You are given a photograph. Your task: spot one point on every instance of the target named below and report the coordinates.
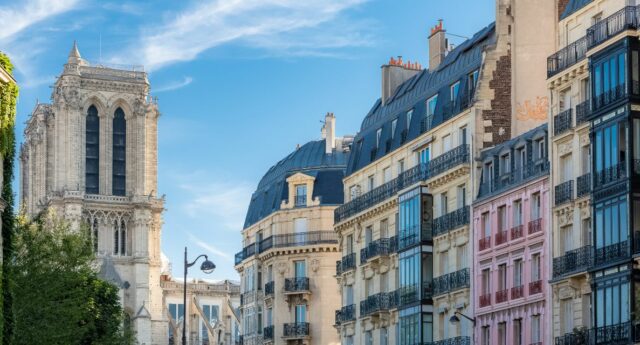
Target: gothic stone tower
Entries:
(91, 157)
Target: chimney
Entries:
(437, 46)
(329, 130)
(395, 73)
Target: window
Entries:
(565, 99)
(535, 267)
(368, 338)
(210, 313)
(348, 340)
(371, 182)
(611, 222)
(486, 335)
(386, 174)
(300, 225)
(378, 135)
(413, 207)
(521, 156)
(586, 159)
(400, 166)
(505, 164)
(609, 78)
(517, 212)
(487, 174)
(535, 206)
(502, 333)
(446, 143)
(384, 228)
(349, 245)
(354, 191)
(454, 91)
(301, 313)
(586, 231)
(502, 218)
(119, 152)
(540, 149)
(92, 151)
(119, 238)
(384, 336)
(301, 195)
(423, 155)
(567, 238)
(502, 277)
(486, 281)
(486, 224)
(409, 116)
(368, 235)
(517, 332)
(176, 311)
(566, 167)
(535, 329)
(444, 204)
(300, 268)
(431, 105)
(517, 272)
(566, 309)
(462, 196)
(394, 124)
(472, 82)
(609, 148)
(612, 302)
(462, 135)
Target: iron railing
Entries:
(379, 302)
(267, 333)
(287, 240)
(449, 160)
(564, 192)
(346, 314)
(566, 57)
(535, 287)
(298, 284)
(607, 97)
(484, 243)
(347, 263)
(502, 295)
(457, 106)
(502, 237)
(415, 234)
(624, 19)
(408, 294)
(613, 334)
(583, 111)
(517, 291)
(610, 174)
(513, 178)
(612, 253)
(517, 232)
(485, 300)
(461, 340)
(535, 226)
(379, 247)
(583, 185)
(269, 288)
(426, 123)
(451, 282)
(580, 336)
(563, 122)
(451, 221)
(573, 261)
(296, 330)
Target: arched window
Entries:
(123, 238)
(119, 152)
(116, 238)
(92, 151)
(119, 238)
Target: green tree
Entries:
(58, 297)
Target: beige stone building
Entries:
(404, 229)
(287, 265)
(213, 310)
(91, 157)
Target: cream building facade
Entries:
(289, 248)
(91, 157)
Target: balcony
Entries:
(535, 226)
(562, 122)
(485, 300)
(296, 285)
(617, 93)
(378, 303)
(624, 19)
(502, 296)
(517, 232)
(269, 289)
(376, 249)
(454, 341)
(564, 192)
(502, 237)
(408, 294)
(451, 221)
(287, 240)
(346, 314)
(347, 263)
(611, 174)
(573, 261)
(517, 291)
(449, 160)
(513, 178)
(612, 253)
(267, 333)
(484, 243)
(299, 330)
(414, 235)
(535, 287)
(614, 334)
(566, 57)
(451, 282)
(301, 200)
(583, 111)
(584, 185)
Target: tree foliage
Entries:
(58, 297)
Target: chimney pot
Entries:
(437, 46)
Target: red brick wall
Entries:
(562, 4)
(500, 112)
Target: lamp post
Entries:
(455, 319)
(206, 267)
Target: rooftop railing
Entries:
(288, 240)
(567, 57)
(624, 19)
(451, 282)
(513, 178)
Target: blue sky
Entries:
(239, 82)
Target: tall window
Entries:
(517, 332)
(431, 105)
(535, 329)
(517, 273)
(119, 238)
(119, 152)
(472, 82)
(92, 150)
(423, 155)
(486, 335)
(454, 92)
(502, 277)
(502, 218)
(409, 116)
(210, 317)
(394, 124)
(535, 267)
(301, 195)
(535, 206)
(517, 212)
(502, 333)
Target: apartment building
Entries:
(287, 264)
(405, 237)
(510, 223)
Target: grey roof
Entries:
(310, 159)
(413, 94)
(573, 6)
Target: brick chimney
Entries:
(395, 73)
(329, 132)
(437, 46)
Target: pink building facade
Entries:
(510, 222)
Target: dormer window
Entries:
(301, 195)
(505, 164)
(409, 115)
(378, 135)
(394, 124)
(539, 148)
(431, 105)
(454, 92)
(472, 82)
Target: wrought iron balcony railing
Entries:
(584, 185)
(296, 330)
(613, 334)
(484, 243)
(420, 172)
(485, 300)
(414, 235)
(612, 253)
(269, 288)
(517, 232)
(583, 111)
(298, 284)
(451, 221)
(564, 192)
(513, 178)
(624, 19)
(453, 108)
(566, 57)
(573, 261)
(607, 97)
(535, 226)
(611, 174)
(580, 336)
(267, 333)
(502, 295)
(347, 263)
(287, 240)
(379, 247)
(346, 314)
(502, 237)
(379, 302)
(462, 340)
(535, 287)
(408, 294)
(563, 122)
(451, 282)
(517, 291)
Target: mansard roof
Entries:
(413, 94)
(573, 6)
(310, 159)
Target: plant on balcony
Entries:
(580, 336)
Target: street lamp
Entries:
(206, 267)
(454, 319)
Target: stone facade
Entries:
(126, 228)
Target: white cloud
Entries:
(174, 85)
(26, 13)
(209, 247)
(213, 23)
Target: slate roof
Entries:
(310, 159)
(413, 94)
(573, 6)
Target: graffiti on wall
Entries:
(532, 110)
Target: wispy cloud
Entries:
(213, 23)
(209, 247)
(22, 14)
(174, 85)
